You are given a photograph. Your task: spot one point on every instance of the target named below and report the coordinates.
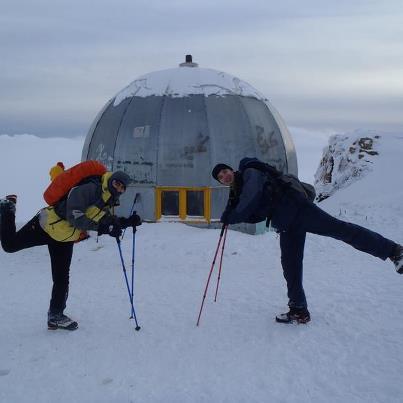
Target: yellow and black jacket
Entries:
(82, 210)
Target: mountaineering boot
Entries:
(8, 204)
(60, 321)
(397, 258)
(12, 198)
(298, 315)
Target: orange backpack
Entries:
(66, 180)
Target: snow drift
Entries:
(350, 352)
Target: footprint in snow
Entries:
(107, 381)
(4, 372)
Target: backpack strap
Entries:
(61, 206)
(278, 183)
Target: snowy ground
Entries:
(352, 351)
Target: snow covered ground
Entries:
(352, 351)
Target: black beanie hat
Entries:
(216, 170)
(121, 177)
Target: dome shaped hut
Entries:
(168, 128)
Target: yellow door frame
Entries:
(183, 201)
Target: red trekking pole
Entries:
(211, 270)
(219, 271)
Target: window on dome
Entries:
(170, 203)
(195, 203)
(183, 204)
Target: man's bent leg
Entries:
(31, 234)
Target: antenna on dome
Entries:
(188, 62)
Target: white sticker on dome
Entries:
(141, 132)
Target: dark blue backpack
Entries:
(278, 181)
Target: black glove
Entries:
(133, 221)
(110, 225)
(115, 230)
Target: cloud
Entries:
(61, 61)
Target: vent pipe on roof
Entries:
(188, 62)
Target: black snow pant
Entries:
(32, 234)
(316, 221)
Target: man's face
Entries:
(226, 176)
(119, 186)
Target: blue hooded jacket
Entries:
(255, 199)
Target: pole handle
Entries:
(222, 229)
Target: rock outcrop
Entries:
(347, 159)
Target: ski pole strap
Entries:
(132, 211)
(134, 202)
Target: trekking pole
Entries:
(133, 249)
(131, 211)
(209, 276)
(127, 284)
(222, 254)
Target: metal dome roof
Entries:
(185, 81)
(169, 127)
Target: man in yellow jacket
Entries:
(88, 206)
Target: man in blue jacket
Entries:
(256, 195)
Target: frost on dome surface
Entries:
(185, 81)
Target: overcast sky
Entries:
(325, 65)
